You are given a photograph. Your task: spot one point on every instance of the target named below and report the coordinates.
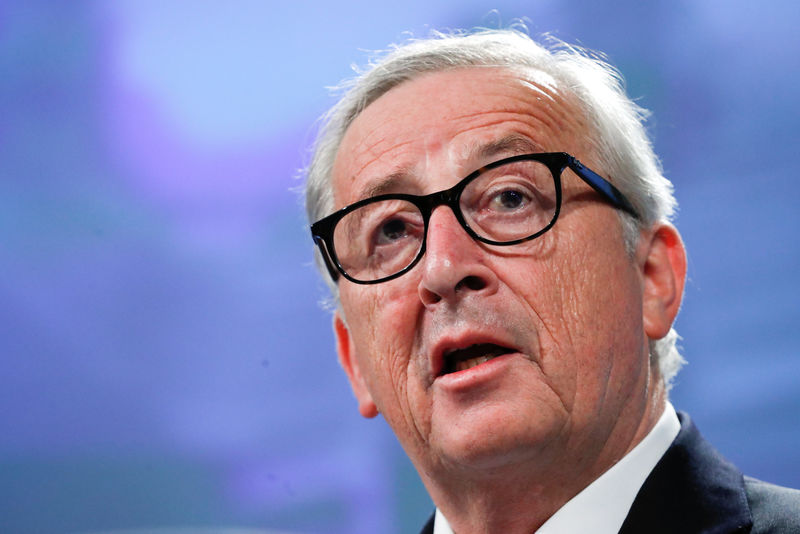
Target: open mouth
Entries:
(462, 359)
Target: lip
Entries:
(477, 377)
(455, 342)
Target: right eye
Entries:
(379, 238)
(390, 231)
(395, 229)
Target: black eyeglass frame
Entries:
(556, 162)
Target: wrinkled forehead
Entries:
(449, 118)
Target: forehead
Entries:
(449, 121)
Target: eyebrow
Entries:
(388, 184)
(510, 145)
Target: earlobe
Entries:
(664, 270)
(348, 361)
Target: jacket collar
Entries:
(691, 489)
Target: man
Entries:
(495, 227)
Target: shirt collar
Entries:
(601, 507)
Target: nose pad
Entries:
(454, 263)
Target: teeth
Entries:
(472, 362)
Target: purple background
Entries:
(164, 360)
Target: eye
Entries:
(392, 230)
(395, 227)
(508, 200)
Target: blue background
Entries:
(163, 358)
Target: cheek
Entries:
(581, 297)
(383, 336)
(598, 291)
(596, 277)
(556, 281)
(600, 314)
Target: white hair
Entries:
(618, 135)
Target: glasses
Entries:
(507, 202)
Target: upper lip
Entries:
(448, 344)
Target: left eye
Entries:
(508, 200)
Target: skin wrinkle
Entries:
(399, 387)
(561, 116)
(604, 393)
(563, 414)
(590, 279)
(359, 195)
(566, 315)
(551, 238)
(571, 311)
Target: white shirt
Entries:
(602, 506)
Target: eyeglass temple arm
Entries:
(326, 256)
(601, 185)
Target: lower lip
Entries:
(478, 375)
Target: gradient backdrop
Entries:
(163, 359)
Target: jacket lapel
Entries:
(428, 528)
(692, 489)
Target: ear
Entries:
(349, 362)
(664, 269)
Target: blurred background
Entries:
(164, 361)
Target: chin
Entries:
(495, 437)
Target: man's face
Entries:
(550, 331)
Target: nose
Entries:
(454, 264)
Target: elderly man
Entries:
(495, 227)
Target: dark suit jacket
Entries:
(694, 490)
